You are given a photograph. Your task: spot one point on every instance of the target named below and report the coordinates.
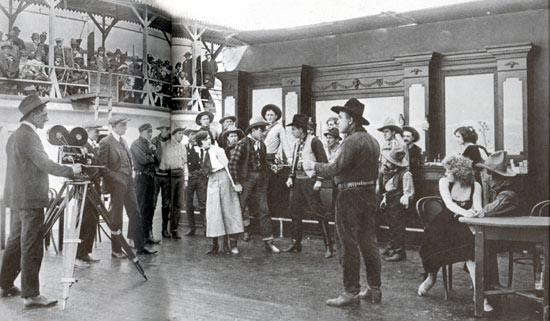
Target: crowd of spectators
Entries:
(74, 69)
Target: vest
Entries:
(307, 154)
(194, 162)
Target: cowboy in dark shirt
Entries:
(355, 170)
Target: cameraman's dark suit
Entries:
(89, 218)
(26, 194)
(117, 177)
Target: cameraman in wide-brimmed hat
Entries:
(26, 194)
(355, 171)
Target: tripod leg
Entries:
(116, 236)
(74, 213)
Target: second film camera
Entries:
(71, 145)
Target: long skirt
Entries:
(223, 209)
(446, 241)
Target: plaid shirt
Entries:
(241, 153)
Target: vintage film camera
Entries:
(71, 145)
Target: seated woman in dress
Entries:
(223, 209)
(446, 240)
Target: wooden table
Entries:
(521, 228)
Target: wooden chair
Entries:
(428, 208)
(540, 209)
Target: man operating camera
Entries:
(26, 194)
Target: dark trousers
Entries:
(302, 199)
(254, 196)
(88, 229)
(356, 229)
(396, 214)
(24, 251)
(145, 189)
(196, 184)
(172, 200)
(125, 197)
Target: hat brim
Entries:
(189, 131)
(392, 127)
(276, 109)
(255, 125)
(297, 125)
(199, 116)
(233, 118)
(329, 134)
(44, 102)
(403, 163)
(360, 119)
(179, 130)
(508, 173)
(414, 132)
(238, 131)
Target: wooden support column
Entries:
(103, 27)
(10, 14)
(417, 85)
(297, 91)
(235, 95)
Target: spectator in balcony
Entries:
(78, 75)
(188, 72)
(101, 60)
(15, 31)
(60, 73)
(136, 70)
(209, 70)
(44, 47)
(116, 60)
(58, 50)
(9, 68)
(33, 50)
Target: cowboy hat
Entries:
(396, 156)
(189, 131)
(29, 104)
(334, 132)
(498, 163)
(392, 125)
(232, 129)
(275, 109)
(353, 107)
(256, 121)
(299, 120)
(199, 116)
(227, 116)
(414, 132)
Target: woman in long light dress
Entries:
(223, 209)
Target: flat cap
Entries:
(118, 119)
(145, 127)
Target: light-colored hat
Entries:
(396, 156)
(256, 121)
(391, 124)
(232, 129)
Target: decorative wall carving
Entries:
(357, 83)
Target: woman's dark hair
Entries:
(201, 135)
(468, 134)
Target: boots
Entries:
(270, 247)
(225, 247)
(150, 239)
(175, 235)
(246, 234)
(294, 247)
(329, 251)
(165, 234)
(215, 246)
(233, 245)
